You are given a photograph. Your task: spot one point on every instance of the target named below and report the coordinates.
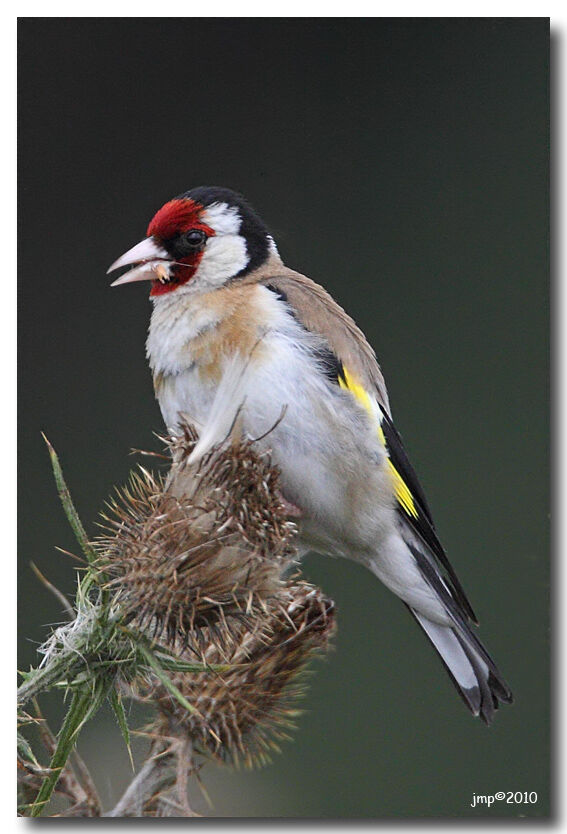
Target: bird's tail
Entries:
(469, 665)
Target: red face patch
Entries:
(175, 218)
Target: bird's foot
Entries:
(290, 509)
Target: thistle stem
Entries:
(39, 680)
(66, 741)
(157, 773)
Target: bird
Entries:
(315, 396)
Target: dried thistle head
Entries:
(243, 713)
(197, 561)
(245, 486)
(206, 544)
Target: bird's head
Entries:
(198, 241)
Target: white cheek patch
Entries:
(224, 257)
(224, 219)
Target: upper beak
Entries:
(153, 260)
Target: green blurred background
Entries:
(404, 164)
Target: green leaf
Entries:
(99, 691)
(175, 664)
(118, 708)
(154, 665)
(25, 751)
(68, 506)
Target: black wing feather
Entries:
(423, 523)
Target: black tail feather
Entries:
(470, 667)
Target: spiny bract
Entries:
(208, 542)
(197, 560)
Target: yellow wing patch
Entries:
(403, 494)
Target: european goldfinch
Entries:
(314, 395)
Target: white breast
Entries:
(176, 321)
(320, 438)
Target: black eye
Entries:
(195, 237)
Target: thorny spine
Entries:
(185, 604)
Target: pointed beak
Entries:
(152, 261)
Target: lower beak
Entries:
(152, 261)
